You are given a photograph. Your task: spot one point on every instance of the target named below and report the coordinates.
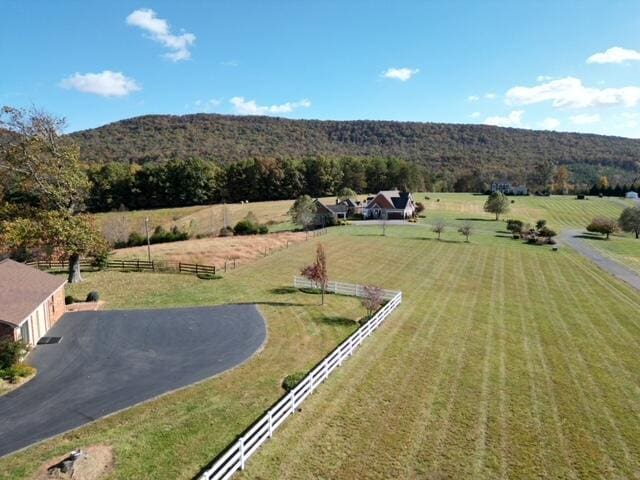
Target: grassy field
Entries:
(505, 361)
(559, 211)
(624, 249)
(176, 435)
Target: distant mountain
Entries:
(446, 149)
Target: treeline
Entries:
(448, 151)
(178, 183)
(610, 191)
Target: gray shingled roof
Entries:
(22, 289)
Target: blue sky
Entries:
(562, 65)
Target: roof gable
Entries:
(22, 289)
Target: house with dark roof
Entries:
(390, 204)
(31, 301)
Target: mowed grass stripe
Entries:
(589, 394)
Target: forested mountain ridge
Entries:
(447, 150)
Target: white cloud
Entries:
(490, 96)
(473, 98)
(543, 78)
(402, 74)
(159, 30)
(475, 115)
(549, 123)
(250, 107)
(105, 84)
(206, 105)
(614, 55)
(514, 119)
(585, 119)
(570, 93)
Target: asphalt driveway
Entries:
(110, 360)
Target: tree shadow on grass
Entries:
(589, 236)
(273, 304)
(338, 321)
(428, 239)
(477, 219)
(283, 290)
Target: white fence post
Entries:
(270, 424)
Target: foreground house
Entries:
(31, 301)
(508, 188)
(390, 204)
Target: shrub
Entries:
(11, 374)
(160, 235)
(263, 229)
(101, 260)
(546, 232)
(11, 352)
(290, 381)
(245, 227)
(68, 300)
(515, 226)
(93, 296)
(540, 224)
(135, 240)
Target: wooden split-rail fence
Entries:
(130, 265)
(236, 455)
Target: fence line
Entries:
(236, 455)
(350, 289)
(128, 265)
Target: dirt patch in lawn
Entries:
(217, 250)
(97, 463)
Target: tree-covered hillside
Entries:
(447, 150)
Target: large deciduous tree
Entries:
(497, 203)
(57, 233)
(629, 220)
(46, 164)
(303, 211)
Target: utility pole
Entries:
(146, 229)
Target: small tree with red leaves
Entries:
(372, 299)
(317, 271)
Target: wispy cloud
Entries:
(159, 31)
(514, 119)
(473, 98)
(543, 78)
(490, 96)
(569, 92)
(615, 55)
(585, 119)
(549, 123)
(205, 105)
(105, 84)
(402, 74)
(475, 115)
(242, 106)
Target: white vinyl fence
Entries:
(341, 288)
(235, 457)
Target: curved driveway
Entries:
(572, 238)
(110, 360)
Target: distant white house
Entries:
(633, 195)
(508, 188)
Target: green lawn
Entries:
(176, 435)
(504, 361)
(624, 249)
(559, 211)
